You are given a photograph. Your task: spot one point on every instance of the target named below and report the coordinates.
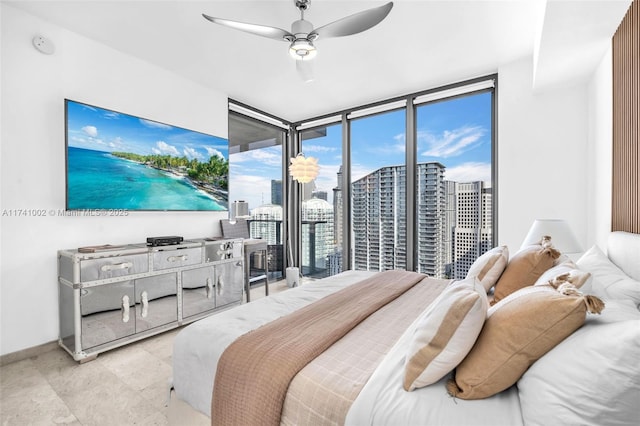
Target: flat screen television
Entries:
(117, 161)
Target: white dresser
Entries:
(111, 296)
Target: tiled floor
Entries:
(125, 386)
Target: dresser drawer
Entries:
(223, 250)
(113, 267)
(167, 259)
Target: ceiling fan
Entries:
(302, 34)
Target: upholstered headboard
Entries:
(623, 248)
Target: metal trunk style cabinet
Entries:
(110, 296)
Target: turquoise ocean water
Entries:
(98, 180)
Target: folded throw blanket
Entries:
(254, 372)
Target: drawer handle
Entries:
(177, 258)
(209, 288)
(144, 298)
(123, 265)
(220, 286)
(125, 308)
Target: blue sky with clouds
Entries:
(100, 129)
(454, 132)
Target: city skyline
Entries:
(455, 225)
(455, 133)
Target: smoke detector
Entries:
(43, 45)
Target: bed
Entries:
(586, 374)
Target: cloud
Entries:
(116, 143)
(317, 148)
(154, 124)
(395, 147)
(91, 131)
(327, 179)
(451, 142)
(213, 152)
(191, 153)
(358, 171)
(469, 172)
(163, 148)
(254, 189)
(265, 157)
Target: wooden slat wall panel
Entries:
(625, 212)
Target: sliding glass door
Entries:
(321, 204)
(255, 189)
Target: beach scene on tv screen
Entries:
(120, 161)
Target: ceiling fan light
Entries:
(302, 50)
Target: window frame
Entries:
(410, 103)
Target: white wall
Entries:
(33, 161)
(548, 143)
(542, 153)
(600, 157)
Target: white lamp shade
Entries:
(304, 169)
(562, 238)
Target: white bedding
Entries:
(383, 401)
(607, 345)
(198, 347)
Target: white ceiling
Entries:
(420, 45)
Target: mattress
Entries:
(198, 346)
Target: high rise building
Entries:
(448, 254)
(307, 190)
(266, 223)
(430, 211)
(337, 211)
(276, 192)
(379, 219)
(320, 194)
(473, 229)
(317, 235)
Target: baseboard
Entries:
(27, 353)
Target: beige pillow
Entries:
(524, 268)
(445, 332)
(518, 331)
(489, 266)
(565, 272)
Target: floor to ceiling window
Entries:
(378, 191)
(255, 183)
(321, 217)
(406, 183)
(454, 183)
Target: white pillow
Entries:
(576, 277)
(590, 378)
(609, 282)
(445, 333)
(489, 266)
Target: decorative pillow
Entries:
(609, 282)
(524, 268)
(565, 272)
(489, 266)
(592, 377)
(518, 331)
(445, 332)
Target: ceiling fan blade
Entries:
(353, 24)
(261, 30)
